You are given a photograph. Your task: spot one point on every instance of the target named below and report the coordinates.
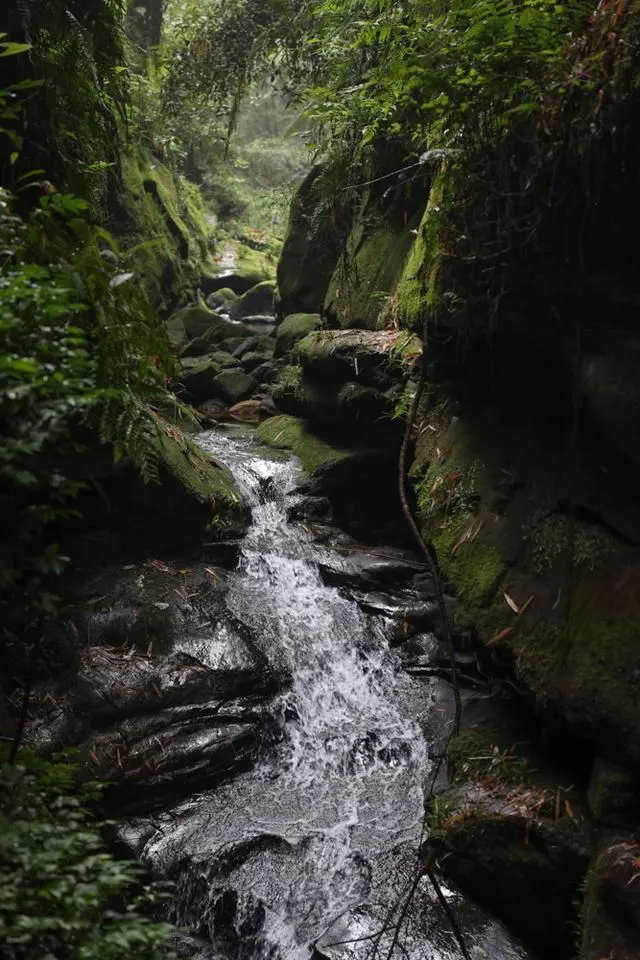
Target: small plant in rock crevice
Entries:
(552, 534)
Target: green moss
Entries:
(206, 481)
(221, 298)
(474, 566)
(368, 272)
(293, 329)
(289, 433)
(161, 219)
(416, 293)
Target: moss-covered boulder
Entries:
(199, 321)
(221, 298)
(310, 250)
(241, 268)
(342, 473)
(266, 373)
(515, 839)
(194, 500)
(196, 381)
(251, 360)
(233, 386)
(256, 301)
(374, 359)
(293, 329)
(160, 216)
(548, 585)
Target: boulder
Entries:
(223, 359)
(258, 300)
(309, 253)
(196, 381)
(293, 329)
(216, 411)
(366, 571)
(199, 322)
(221, 298)
(370, 358)
(513, 835)
(343, 474)
(249, 344)
(252, 360)
(239, 281)
(266, 373)
(233, 386)
(248, 411)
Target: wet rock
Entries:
(367, 571)
(215, 411)
(196, 381)
(262, 323)
(239, 281)
(257, 300)
(369, 358)
(224, 553)
(245, 347)
(248, 411)
(152, 760)
(221, 298)
(199, 321)
(293, 329)
(234, 386)
(404, 609)
(513, 837)
(252, 360)
(312, 509)
(370, 512)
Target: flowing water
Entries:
(307, 854)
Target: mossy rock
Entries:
(196, 380)
(265, 374)
(221, 298)
(256, 301)
(567, 619)
(371, 358)
(366, 276)
(288, 433)
(251, 267)
(293, 329)
(199, 321)
(233, 386)
(309, 252)
(207, 482)
(154, 203)
(252, 360)
(507, 840)
(417, 289)
(223, 359)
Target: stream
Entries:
(305, 854)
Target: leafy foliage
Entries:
(61, 892)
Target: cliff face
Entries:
(527, 458)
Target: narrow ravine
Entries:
(304, 854)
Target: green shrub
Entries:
(62, 895)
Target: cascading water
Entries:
(306, 854)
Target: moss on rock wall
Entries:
(161, 219)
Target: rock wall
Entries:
(160, 218)
(527, 454)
